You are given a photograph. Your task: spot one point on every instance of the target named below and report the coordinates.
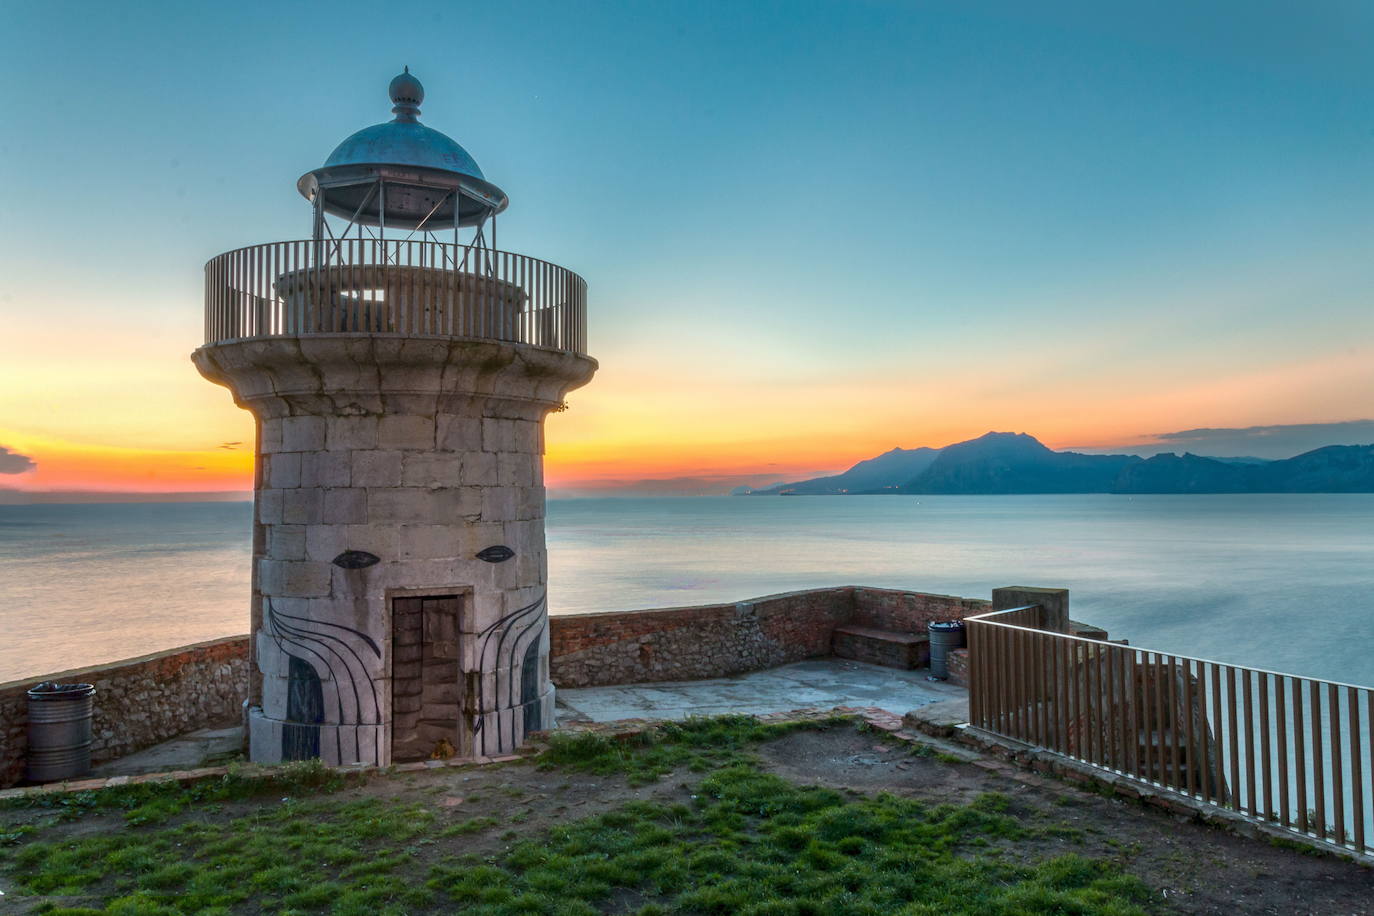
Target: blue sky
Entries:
(1089, 221)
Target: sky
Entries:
(811, 231)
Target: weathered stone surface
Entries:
(418, 451)
(344, 506)
(889, 648)
(1054, 604)
(302, 434)
(589, 650)
(376, 468)
(302, 506)
(283, 470)
(138, 702)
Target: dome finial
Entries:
(406, 96)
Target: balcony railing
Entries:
(409, 288)
(1293, 751)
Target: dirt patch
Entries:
(1196, 868)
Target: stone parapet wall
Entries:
(143, 701)
(138, 702)
(910, 612)
(592, 650)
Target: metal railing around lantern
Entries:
(1292, 751)
(408, 288)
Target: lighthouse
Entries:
(399, 367)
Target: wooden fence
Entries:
(1290, 750)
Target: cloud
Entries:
(1283, 441)
(15, 463)
(230, 446)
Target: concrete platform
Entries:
(181, 753)
(822, 683)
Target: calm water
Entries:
(1284, 582)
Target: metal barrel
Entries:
(945, 635)
(60, 731)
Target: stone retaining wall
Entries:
(143, 701)
(138, 702)
(593, 650)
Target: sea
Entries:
(1283, 582)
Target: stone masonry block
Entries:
(269, 507)
(325, 542)
(344, 506)
(513, 469)
(431, 469)
(270, 657)
(326, 469)
(530, 502)
(499, 503)
(286, 542)
(428, 541)
(302, 434)
(458, 433)
(269, 435)
(284, 470)
(498, 435)
(294, 579)
(421, 506)
(302, 506)
(525, 437)
(405, 431)
(376, 468)
(351, 433)
(480, 469)
(398, 506)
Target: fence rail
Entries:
(413, 288)
(1292, 751)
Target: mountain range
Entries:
(1010, 463)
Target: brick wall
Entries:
(910, 612)
(590, 650)
(138, 702)
(956, 663)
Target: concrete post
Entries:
(1053, 602)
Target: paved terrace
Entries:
(819, 683)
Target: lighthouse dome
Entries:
(404, 143)
(430, 180)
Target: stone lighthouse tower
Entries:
(399, 368)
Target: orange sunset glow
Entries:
(1154, 257)
(636, 426)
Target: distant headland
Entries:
(1017, 463)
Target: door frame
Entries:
(464, 594)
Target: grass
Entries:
(741, 841)
(698, 745)
(753, 844)
(155, 802)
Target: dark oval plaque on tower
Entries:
(497, 553)
(356, 559)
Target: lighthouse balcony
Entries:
(393, 287)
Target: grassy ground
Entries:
(686, 819)
(744, 841)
